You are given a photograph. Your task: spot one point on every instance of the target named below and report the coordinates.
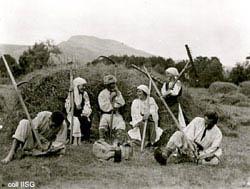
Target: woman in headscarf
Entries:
(82, 111)
(171, 91)
(144, 108)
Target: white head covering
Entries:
(172, 71)
(77, 96)
(79, 81)
(144, 88)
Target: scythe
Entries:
(22, 102)
(112, 113)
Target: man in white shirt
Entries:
(203, 134)
(82, 111)
(50, 128)
(110, 100)
(144, 108)
(171, 92)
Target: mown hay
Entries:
(245, 88)
(232, 98)
(222, 87)
(48, 92)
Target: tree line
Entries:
(35, 57)
(208, 69)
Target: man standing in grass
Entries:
(51, 129)
(203, 134)
(82, 111)
(171, 92)
(110, 100)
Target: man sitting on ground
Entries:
(110, 100)
(203, 134)
(50, 128)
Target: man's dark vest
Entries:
(171, 100)
(78, 112)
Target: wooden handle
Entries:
(22, 101)
(71, 105)
(171, 113)
(146, 122)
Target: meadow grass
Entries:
(78, 168)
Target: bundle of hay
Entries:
(48, 92)
(233, 98)
(245, 88)
(222, 87)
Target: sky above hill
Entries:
(162, 27)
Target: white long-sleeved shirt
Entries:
(105, 103)
(41, 123)
(87, 110)
(212, 140)
(139, 108)
(173, 92)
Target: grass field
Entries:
(78, 168)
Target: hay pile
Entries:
(48, 92)
(245, 88)
(228, 94)
(232, 98)
(222, 87)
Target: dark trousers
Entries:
(150, 132)
(85, 127)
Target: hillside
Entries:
(13, 50)
(86, 48)
(81, 48)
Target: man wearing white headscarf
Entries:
(82, 111)
(171, 92)
(144, 108)
(110, 100)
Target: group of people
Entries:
(200, 139)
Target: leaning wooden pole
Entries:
(170, 112)
(146, 121)
(22, 101)
(72, 106)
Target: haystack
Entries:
(232, 98)
(48, 92)
(245, 88)
(222, 87)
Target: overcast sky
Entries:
(162, 27)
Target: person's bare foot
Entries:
(75, 143)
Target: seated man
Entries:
(204, 136)
(110, 100)
(50, 127)
(144, 108)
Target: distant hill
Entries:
(13, 50)
(81, 48)
(86, 48)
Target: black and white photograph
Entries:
(115, 94)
